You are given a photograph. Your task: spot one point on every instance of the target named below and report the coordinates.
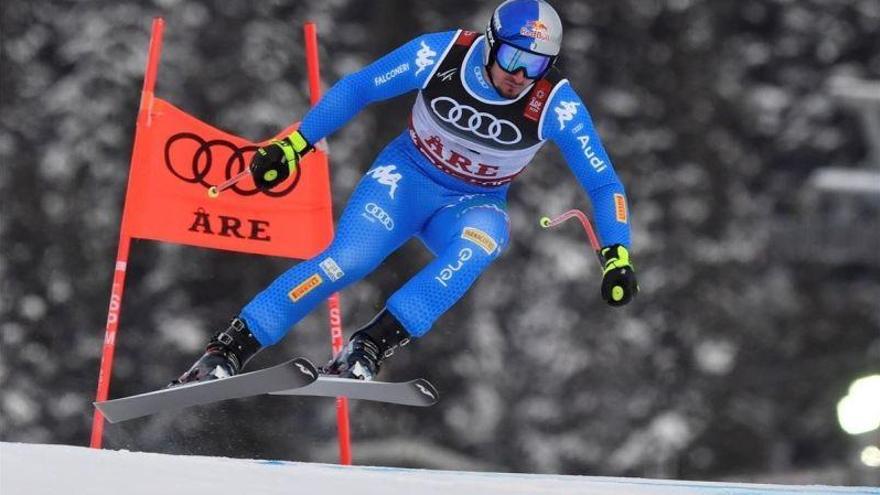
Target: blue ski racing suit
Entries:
(444, 179)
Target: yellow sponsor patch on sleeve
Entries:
(480, 238)
(304, 288)
(620, 208)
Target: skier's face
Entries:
(509, 85)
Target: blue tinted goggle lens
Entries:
(512, 59)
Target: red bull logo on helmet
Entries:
(537, 30)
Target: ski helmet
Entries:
(523, 35)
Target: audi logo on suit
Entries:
(482, 124)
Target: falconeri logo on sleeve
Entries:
(620, 208)
(480, 238)
(304, 288)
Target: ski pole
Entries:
(546, 222)
(214, 191)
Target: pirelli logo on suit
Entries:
(301, 290)
(480, 238)
(620, 208)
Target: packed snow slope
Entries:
(34, 469)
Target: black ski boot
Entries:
(368, 347)
(227, 353)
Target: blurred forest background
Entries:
(760, 289)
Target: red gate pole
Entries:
(336, 339)
(116, 292)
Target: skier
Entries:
(485, 105)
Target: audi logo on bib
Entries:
(481, 124)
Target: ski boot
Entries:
(227, 353)
(368, 347)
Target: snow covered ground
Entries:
(33, 469)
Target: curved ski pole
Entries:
(214, 191)
(546, 223)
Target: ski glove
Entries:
(619, 283)
(274, 163)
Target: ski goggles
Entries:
(511, 59)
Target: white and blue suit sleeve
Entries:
(403, 70)
(567, 123)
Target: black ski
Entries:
(291, 374)
(418, 392)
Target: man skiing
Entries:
(485, 105)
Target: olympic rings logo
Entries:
(482, 124)
(202, 162)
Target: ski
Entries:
(418, 392)
(290, 374)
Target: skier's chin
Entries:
(509, 90)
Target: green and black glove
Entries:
(619, 284)
(275, 162)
